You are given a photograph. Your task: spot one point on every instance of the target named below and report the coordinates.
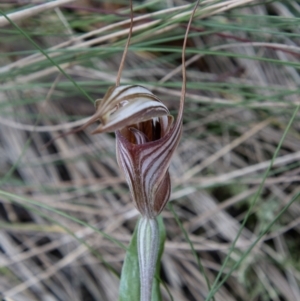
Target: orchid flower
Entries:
(146, 138)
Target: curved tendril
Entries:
(126, 47)
(183, 89)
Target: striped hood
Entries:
(146, 139)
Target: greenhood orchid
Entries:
(146, 138)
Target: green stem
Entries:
(148, 245)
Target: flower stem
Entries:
(148, 245)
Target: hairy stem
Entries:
(148, 245)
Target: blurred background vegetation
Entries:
(66, 215)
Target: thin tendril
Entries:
(183, 89)
(179, 119)
(126, 47)
(95, 116)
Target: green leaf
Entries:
(130, 277)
